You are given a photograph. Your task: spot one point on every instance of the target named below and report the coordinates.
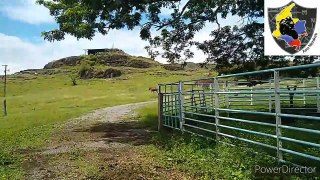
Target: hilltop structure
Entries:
(101, 51)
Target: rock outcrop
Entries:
(68, 61)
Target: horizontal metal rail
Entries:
(170, 127)
(248, 131)
(300, 116)
(203, 122)
(260, 72)
(247, 121)
(300, 129)
(229, 108)
(198, 114)
(247, 112)
(170, 116)
(301, 142)
(249, 141)
(195, 127)
(300, 154)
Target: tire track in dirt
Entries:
(107, 120)
(108, 133)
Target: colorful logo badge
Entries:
(292, 27)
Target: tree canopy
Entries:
(233, 48)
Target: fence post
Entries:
(211, 97)
(160, 108)
(251, 96)
(216, 97)
(304, 94)
(165, 105)
(173, 120)
(278, 111)
(270, 97)
(227, 103)
(181, 102)
(318, 96)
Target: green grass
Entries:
(201, 158)
(148, 116)
(262, 107)
(198, 157)
(39, 104)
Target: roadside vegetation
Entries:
(160, 155)
(202, 158)
(38, 103)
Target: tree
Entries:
(184, 64)
(238, 47)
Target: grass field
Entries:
(37, 104)
(202, 158)
(242, 129)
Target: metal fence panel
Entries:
(272, 114)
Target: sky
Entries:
(22, 47)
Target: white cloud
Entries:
(26, 11)
(21, 54)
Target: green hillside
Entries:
(40, 100)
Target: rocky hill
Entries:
(114, 58)
(109, 64)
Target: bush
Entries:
(91, 57)
(113, 59)
(108, 73)
(91, 60)
(73, 79)
(135, 63)
(86, 72)
(173, 67)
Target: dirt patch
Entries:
(104, 144)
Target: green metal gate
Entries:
(281, 115)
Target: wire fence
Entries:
(279, 116)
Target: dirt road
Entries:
(108, 143)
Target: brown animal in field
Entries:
(153, 90)
(211, 74)
(203, 82)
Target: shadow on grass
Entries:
(131, 132)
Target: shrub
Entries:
(91, 57)
(91, 60)
(73, 79)
(86, 72)
(108, 73)
(113, 59)
(173, 67)
(135, 63)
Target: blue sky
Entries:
(19, 18)
(22, 47)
